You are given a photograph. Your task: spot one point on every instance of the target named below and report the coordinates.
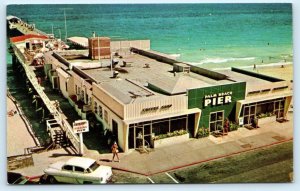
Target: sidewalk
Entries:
(176, 156)
(200, 150)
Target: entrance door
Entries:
(139, 137)
(147, 136)
(115, 130)
(279, 108)
(249, 114)
(131, 138)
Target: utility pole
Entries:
(59, 34)
(66, 31)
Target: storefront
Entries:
(276, 106)
(142, 132)
(217, 103)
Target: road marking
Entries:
(172, 178)
(151, 180)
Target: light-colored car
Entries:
(78, 170)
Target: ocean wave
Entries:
(258, 65)
(175, 55)
(220, 60)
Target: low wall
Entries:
(171, 140)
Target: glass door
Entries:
(147, 136)
(249, 114)
(279, 108)
(139, 137)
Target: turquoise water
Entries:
(210, 35)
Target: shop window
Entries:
(216, 121)
(95, 107)
(105, 116)
(86, 100)
(160, 128)
(82, 96)
(178, 124)
(100, 112)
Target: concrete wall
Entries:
(124, 46)
(108, 100)
(108, 124)
(84, 86)
(63, 80)
(272, 86)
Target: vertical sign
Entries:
(81, 126)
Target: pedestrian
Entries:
(226, 126)
(254, 66)
(115, 150)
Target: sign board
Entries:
(81, 126)
(241, 121)
(217, 99)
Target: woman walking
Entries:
(114, 150)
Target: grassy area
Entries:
(128, 178)
(272, 164)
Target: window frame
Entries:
(217, 120)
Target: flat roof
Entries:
(146, 78)
(250, 80)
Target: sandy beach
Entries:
(18, 136)
(277, 71)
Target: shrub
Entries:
(202, 132)
(233, 126)
(170, 134)
(263, 115)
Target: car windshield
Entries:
(94, 166)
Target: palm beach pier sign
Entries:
(217, 99)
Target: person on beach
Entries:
(114, 150)
(254, 66)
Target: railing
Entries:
(66, 127)
(74, 139)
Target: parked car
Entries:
(17, 178)
(78, 170)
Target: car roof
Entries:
(80, 162)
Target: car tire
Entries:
(52, 180)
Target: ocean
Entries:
(208, 35)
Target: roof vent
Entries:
(181, 67)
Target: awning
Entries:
(163, 116)
(265, 98)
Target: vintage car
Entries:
(78, 170)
